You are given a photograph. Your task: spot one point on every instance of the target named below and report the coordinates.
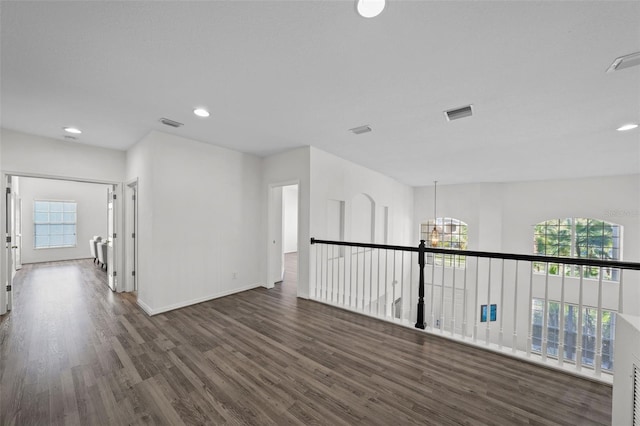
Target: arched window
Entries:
(583, 238)
(452, 234)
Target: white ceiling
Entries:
(282, 74)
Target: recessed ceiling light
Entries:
(201, 112)
(73, 130)
(370, 8)
(627, 127)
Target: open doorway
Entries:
(283, 237)
(131, 236)
(50, 219)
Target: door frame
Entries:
(131, 282)
(271, 208)
(5, 257)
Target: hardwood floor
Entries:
(72, 352)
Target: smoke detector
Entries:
(625, 61)
(171, 123)
(360, 130)
(457, 113)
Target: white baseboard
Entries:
(179, 305)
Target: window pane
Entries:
(69, 229)
(42, 241)
(553, 324)
(55, 240)
(69, 217)
(69, 207)
(55, 206)
(589, 336)
(42, 206)
(69, 240)
(55, 217)
(42, 230)
(608, 335)
(56, 229)
(42, 217)
(570, 335)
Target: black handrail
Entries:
(422, 249)
(494, 255)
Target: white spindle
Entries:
(393, 288)
(475, 304)
(317, 269)
(378, 286)
(620, 294)
(453, 299)
(561, 326)
(370, 279)
(401, 285)
(322, 263)
(530, 320)
(386, 282)
(579, 330)
(357, 274)
(333, 271)
(545, 314)
(501, 307)
(433, 285)
(442, 297)
(488, 327)
(344, 276)
(350, 275)
(464, 300)
(514, 341)
(598, 361)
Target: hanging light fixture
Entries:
(435, 236)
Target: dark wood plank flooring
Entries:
(74, 353)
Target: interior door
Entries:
(9, 231)
(111, 236)
(276, 255)
(18, 233)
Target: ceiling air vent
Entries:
(626, 61)
(454, 114)
(360, 130)
(170, 122)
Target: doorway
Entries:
(131, 236)
(282, 257)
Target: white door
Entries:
(131, 224)
(9, 231)
(111, 236)
(276, 254)
(18, 233)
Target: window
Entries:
(589, 327)
(55, 223)
(452, 234)
(580, 238)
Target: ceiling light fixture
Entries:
(73, 130)
(627, 127)
(370, 8)
(625, 61)
(435, 235)
(201, 112)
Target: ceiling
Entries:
(276, 75)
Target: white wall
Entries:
(200, 221)
(36, 155)
(290, 218)
(91, 219)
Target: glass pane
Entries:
(537, 309)
(41, 217)
(69, 217)
(42, 206)
(589, 336)
(55, 240)
(553, 324)
(55, 217)
(608, 336)
(56, 229)
(69, 229)
(69, 240)
(55, 206)
(42, 230)
(570, 335)
(42, 241)
(69, 207)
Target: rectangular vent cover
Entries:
(360, 130)
(170, 122)
(457, 113)
(636, 395)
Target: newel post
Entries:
(420, 320)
